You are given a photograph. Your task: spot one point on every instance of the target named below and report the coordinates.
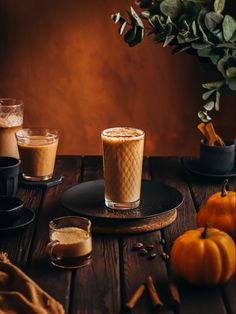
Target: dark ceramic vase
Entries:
(217, 159)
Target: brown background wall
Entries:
(73, 71)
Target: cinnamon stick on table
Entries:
(156, 301)
(174, 292)
(135, 297)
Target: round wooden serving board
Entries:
(157, 209)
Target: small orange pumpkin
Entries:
(204, 256)
(220, 211)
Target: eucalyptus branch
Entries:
(196, 26)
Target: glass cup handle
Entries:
(50, 248)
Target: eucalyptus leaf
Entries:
(204, 53)
(213, 85)
(219, 6)
(145, 14)
(212, 20)
(217, 103)
(232, 84)
(226, 46)
(168, 40)
(136, 17)
(180, 48)
(156, 22)
(207, 94)
(122, 28)
(168, 20)
(185, 25)
(168, 28)
(215, 59)
(233, 38)
(171, 7)
(229, 27)
(231, 72)
(117, 18)
(194, 28)
(180, 39)
(201, 46)
(217, 33)
(202, 115)
(200, 22)
(209, 106)
(190, 39)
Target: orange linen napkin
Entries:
(21, 295)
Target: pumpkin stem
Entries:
(204, 234)
(223, 190)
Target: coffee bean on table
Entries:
(143, 252)
(165, 256)
(137, 246)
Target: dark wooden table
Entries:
(116, 271)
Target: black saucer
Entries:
(87, 199)
(193, 165)
(55, 180)
(27, 217)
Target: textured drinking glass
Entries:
(70, 243)
(122, 164)
(37, 149)
(11, 120)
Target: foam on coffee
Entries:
(72, 241)
(120, 133)
(10, 121)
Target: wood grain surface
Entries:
(116, 270)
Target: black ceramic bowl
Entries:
(217, 159)
(11, 209)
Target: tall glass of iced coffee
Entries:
(11, 120)
(122, 164)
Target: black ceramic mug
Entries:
(9, 171)
(217, 159)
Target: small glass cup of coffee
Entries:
(37, 149)
(122, 166)
(70, 243)
(11, 121)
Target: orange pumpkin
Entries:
(220, 211)
(204, 256)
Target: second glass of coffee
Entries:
(37, 149)
(11, 120)
(70, 243)
(122, 163)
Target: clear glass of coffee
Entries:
(70, 243)
(37, 149)
(11, 121)
(122, 166)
